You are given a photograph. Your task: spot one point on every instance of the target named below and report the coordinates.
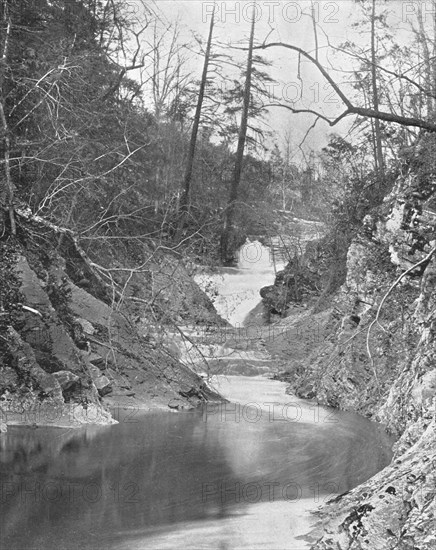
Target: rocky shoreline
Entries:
(376, 355)
(68, 352)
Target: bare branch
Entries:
(350, 108)
(391, 288)
(312, 112)
(311, 127)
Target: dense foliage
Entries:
(97, 99)
(91, 150)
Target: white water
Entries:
(235, 291)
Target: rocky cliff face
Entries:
(69, 351)
(298, 283)
(377, 356)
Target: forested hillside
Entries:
(96, 105)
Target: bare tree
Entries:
(427, 46)
(165, 72)
(184, 202)
(229, 219)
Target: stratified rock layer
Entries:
(377, 356)
(69, 351)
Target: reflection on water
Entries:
(211, 479)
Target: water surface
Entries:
(237, 476)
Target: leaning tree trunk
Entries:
(185, 198)
(229, 234)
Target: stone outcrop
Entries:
(394, 509)
(40, 398)
(65, 346)
(378, 357)
(298, 283)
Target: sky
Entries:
(290, 22)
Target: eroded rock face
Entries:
(139, 372)
(297, 283)
(101, 382)
(394, 509)
(386, 370)
(66, 379)
(41, 398)
(41, 383)
(71, 351)
(42, 328)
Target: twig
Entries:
(174, 324)
(35, 311)
(394, 284)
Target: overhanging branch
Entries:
(350, 108)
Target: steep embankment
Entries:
(72, 343)
(376, 355)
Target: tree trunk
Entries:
(427, 62)
(380, 167)
(8, 200)
(432, 117)
(185, 199)
(229, 231)
(433, 80)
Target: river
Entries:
(239, 475)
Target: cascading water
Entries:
(235, 290)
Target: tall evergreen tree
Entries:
(228, 236)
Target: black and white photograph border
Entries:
(217, 274)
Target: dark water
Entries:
(224, 478)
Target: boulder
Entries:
(27, 366)
(101, 382)
(42, 328)
(8, 379)
(176, 404)
(87, 327)
(103, 385)
(66, 379)
(179, 405)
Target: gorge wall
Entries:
(75, 341)
(377, 356)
